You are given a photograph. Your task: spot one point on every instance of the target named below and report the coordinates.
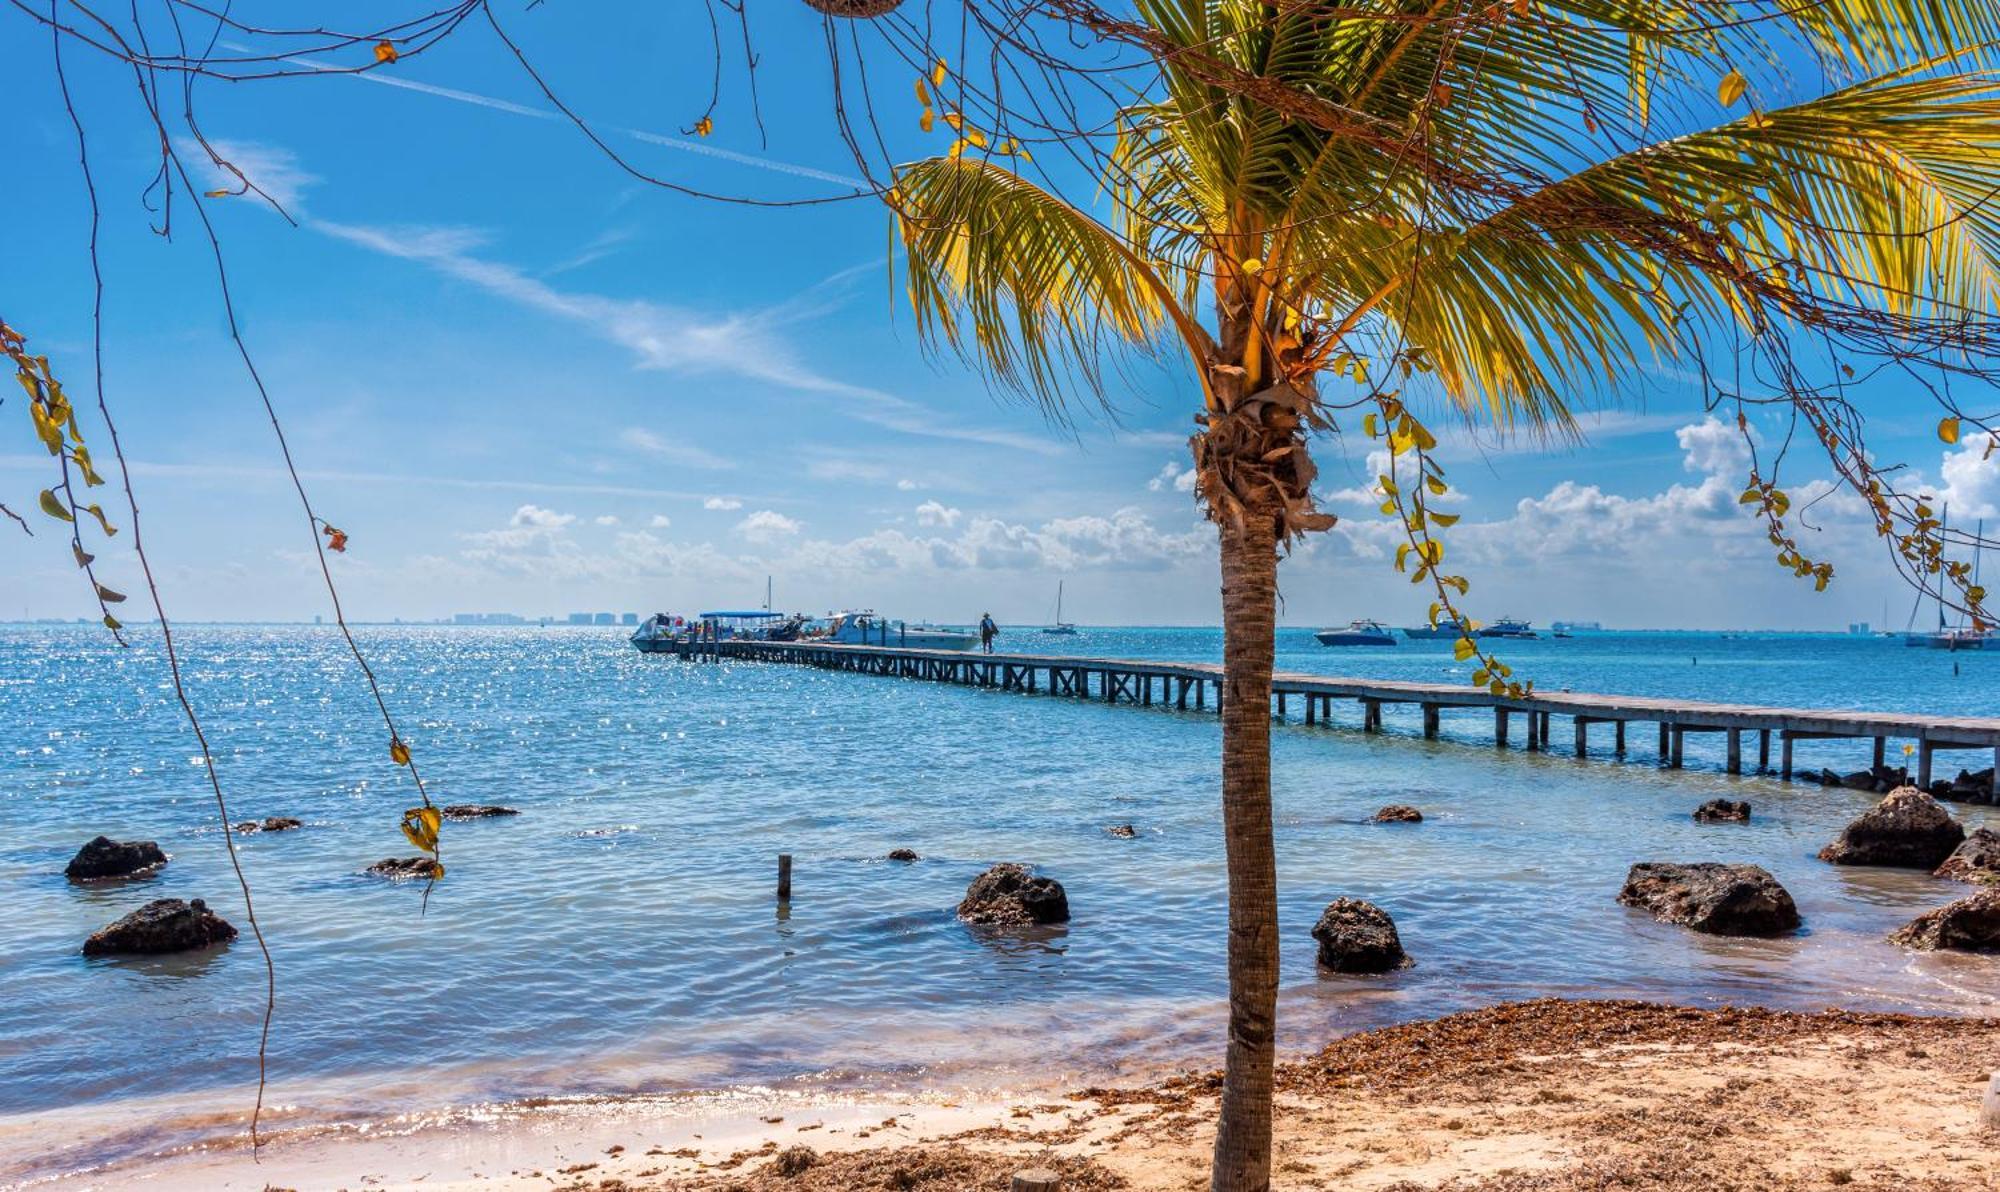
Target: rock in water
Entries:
(274, 823)
(1977, 860)
(399, 868)
(472, 811)
(105, 857)
(1123, 831)
(163, 925)
(1008, 895)
(1722, 811)
(1397, 813)
(904, 854)
(1358, 937)
(1712, 898)
(1907, 830)
(1968, 925)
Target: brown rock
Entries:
(275, 823)
(1722, 811)
(107, 858)
(163, 925)
(1358, 937)
(1009, 895)
(904, 854)
(1977, 860)
(471, 811)
(1397, 813)
(1123, 831)
(401, 868)
(1907, 830)
(1712, 898)
(1968, 925)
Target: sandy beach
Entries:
(1548, 1096)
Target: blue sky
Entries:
(523, 381)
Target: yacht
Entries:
(1442, 631)
(1357, 633)
(865, 627)
(657, 633)
(1513, 627)
(1060, 626)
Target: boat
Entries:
(866, 627)
(1442, 631)
(658, 633)
(1947, 637)
(1512, 627)
(1060, 626)
(1357, 633)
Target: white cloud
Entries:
(749, 345)
(1972, 480)
(269, 168)
(767, 525)
(1173, 476)
(908, 485)
(722, 503)
(639, 438)
(936, 513)
(660, 521)
(1712, 447)
(540, 518)
(608, 519)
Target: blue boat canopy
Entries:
(740, 616)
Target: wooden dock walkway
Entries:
(1198, 686)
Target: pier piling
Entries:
(784, 876)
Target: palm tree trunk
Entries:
(1249, 608)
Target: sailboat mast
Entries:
(1059, 585)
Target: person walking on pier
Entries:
(987, 632)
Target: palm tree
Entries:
(1496, 205)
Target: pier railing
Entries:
(1198, 686)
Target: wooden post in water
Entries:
(1035, 1179)
(1430, 722)
(1785, 748)
(1924, 751)
(1665, 733)
(1546, 718)
(1735, 751)
(1881, 750)
(1680, 735)
(1618, 745)
(1500, 727)
(1534, 731)
(1281, 705)
(1763, 749)
(784, 876)
(1582, 736)
(1371, 716)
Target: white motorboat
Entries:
(865, 627)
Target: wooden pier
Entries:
(1198, 686)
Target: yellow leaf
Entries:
(928, 120)
(1402, 555)
(1464, 649)
(1369, 425)
(1253, 265)
(923, 94)
(1948, 430)
(104, 523)
(385, 52)
(939, 73)
(1731, 88)
(399, 752)
(704, 126)
(955, 120)
(53, 507)
(111, 622)
(217, 194)
(1447, 520)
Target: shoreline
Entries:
(1552, 1094)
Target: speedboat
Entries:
(1512, 627)
(1442, 631)
(657, 633)
(865, 627)
(1357, 633)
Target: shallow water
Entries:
(621, 934)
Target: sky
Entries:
(522, 380)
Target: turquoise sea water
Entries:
(621, 934)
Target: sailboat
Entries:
(1947, 638)
(1060, 626)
